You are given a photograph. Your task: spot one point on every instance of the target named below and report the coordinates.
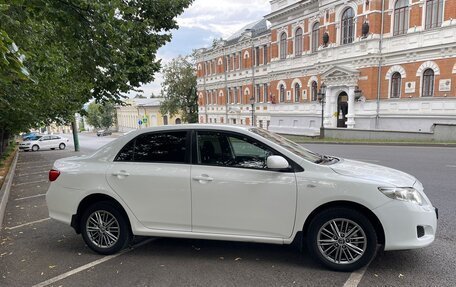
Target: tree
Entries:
(76, 50)
(100, 115)
(179, 90)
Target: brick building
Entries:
(385, 64)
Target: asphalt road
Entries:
(34, 249)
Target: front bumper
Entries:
(407, 225)
(24, 147)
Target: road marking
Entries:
(453, 166)
(28, 197)
(355, 277)
(32, 173)
(26, 224)
(30, 182)
(89, 265)
(35, 166)
(369, 160)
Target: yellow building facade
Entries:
(143, 113)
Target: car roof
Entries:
(226, 127)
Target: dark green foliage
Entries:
(56, 55)
(179, 90)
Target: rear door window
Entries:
(166, 147)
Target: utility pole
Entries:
(74, 127)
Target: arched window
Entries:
(400, 17)
(282, 93)
(434, 13)
(315, 37)
(298, 42)
(396, 85)
(348, 26)
(283, 46)
(297, 93)
(428, 83)
(314, 91)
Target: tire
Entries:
(119, 228)
(62, 146)
(35, 148)
(348, 247)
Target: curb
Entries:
(5, 190)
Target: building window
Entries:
(434, 13)
(257, 56)
(401, 17)
(396, 85)
(234, 62)
(282, 94)
(235, 96)
(315, 37)
(240, 60)
(348, 26)
(428, 83)
(298, 42)
(297, 93)
(265, 93)
(257, 93)
(265, 54)
(228, 96)
(241, 93)
(228, 63)
(314, 91)
(283, 46)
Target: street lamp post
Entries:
(322, 98)
(252, 103)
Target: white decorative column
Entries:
(351, 108)
(328, 104)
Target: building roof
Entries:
(152, 102)
(256, 28)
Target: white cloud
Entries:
(223, 17)
(218, 18)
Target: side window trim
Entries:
(294, 166)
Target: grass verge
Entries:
(304, 139)
(5, 162)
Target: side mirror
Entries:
(276, 162)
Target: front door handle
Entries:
(203, 178)
(121, 173)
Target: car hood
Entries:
(373, 172)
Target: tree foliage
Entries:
(179, 90)
(56, 55)
(100, 115)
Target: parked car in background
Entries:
(243, 184)
(44, 142)
(29, 136)
(102, 133)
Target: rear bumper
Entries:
(407, 225)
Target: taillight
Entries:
(53, 174)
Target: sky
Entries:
(204, 21)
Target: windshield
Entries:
(288, 144)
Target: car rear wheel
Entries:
(62, 146)
(104, 228)
(342, 239)
(35, 148)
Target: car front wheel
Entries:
(104, 228)
(62, 146)
(342, 239)
(35, 148)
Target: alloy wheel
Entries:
(103, 229)
(341, 241)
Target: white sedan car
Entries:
(243, 184)
(44, 142)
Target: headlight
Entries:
(403, 193)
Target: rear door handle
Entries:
(121, 173)
(203, 178)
